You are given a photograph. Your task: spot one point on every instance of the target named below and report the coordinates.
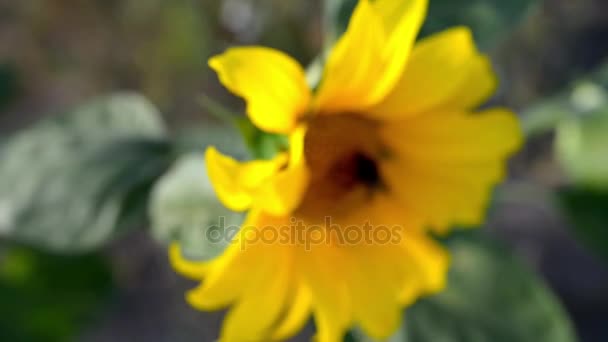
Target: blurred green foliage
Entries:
(72, 182)
(491, 296)
(579, 117)
(46, 297)
(586, 99)
(588, 211)
(582, 145)
(9, 86)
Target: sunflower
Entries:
(390, 138)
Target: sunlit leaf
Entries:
(583, 98)
(184, 208)
(74, 181)
(581, 146)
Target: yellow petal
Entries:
(408, 262)
(272, 83)
(261, 304)
(370, 57)
(298, 312)
(191, 269)
(380, 209)
(296, 145)
(229, 276)
(282, 193)
(445, 165)
(323, 272)
(353, 64)
(442, 69)
(430, 262)
(228, 280)
(377, 277)
(402, 20)
(441, 199)
(458, 137)
(236, 183)
(479, 85)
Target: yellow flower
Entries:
(389, 139)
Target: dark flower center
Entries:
(342, 153)
(366, 170)
(354, 169)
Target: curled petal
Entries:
(272, 83)
(188, 268)
(236, 183)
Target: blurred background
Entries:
(95, 179)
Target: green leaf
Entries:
(581, 145)
(543, 117)
(184, 208)
(74, 181)
(588, 213)
(582, 98)
(46, 297)
(262, 145)
(491, 296)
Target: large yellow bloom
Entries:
(390, 137)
